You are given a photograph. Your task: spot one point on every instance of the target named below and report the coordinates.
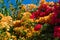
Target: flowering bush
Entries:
(31, 22)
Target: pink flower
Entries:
(57, 31)
(37, 27)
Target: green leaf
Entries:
(35, 34)
(0, 17)
(45, 26)
(28, 38)
(10, 39)
(1, 31)
(56, 38)
(19, 39)
(23, 33)
(11, 30)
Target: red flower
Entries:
(42, 14)
(56, 16)
(56, 8)
(42, 11)
(57, 20)
(32, 16)
(45, 9)
(59, 1)
(35, 15)
(57, 31)
(37, 27)
(53, 19)
(49, 10)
